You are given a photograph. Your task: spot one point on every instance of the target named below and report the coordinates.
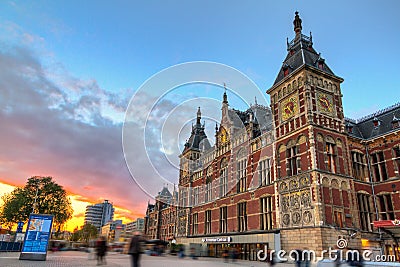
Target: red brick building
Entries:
(293, 175)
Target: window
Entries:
(266, 213)
(358, 165)
(338, 218)
(223, 220)
(184, 199)
(292, 163)
(241, 175)
(385, 207)
(207, 229)
(379, 167)
(264, 172)
(195, 223)
(330, 151)
(208, 191)
(208, 195)
(242, 217)
(223, 189)
(364, 206)
(196, 196)
(396, 151)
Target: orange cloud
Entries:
(79, 204)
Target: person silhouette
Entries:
(135, 249)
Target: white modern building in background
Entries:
(134, 226)
(99, 214)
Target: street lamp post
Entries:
(34, 202)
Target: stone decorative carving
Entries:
(285, 203)
(334, 183)
(293, 184)
(306, 199)
(302, 140)
(296, 218)
(339, 143)
(320, 138)
(330, 140)
(283, 187)
(286, 219)
(307, 217)
(304, 182)
(294, 201)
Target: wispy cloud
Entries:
(62, 127)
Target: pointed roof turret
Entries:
(297, 24)
(198, 139)
(300, 53)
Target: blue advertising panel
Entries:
(37, 237)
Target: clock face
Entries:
(325, 103)
(289, 108)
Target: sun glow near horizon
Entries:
(78, 203)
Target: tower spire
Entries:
(198, 116)
(297, 25)
(225, 97)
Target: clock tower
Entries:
(314, 188)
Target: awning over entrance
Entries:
(389, 226)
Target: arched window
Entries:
(330, 154)
(365, 209)
(292, 159)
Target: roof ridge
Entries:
(377, 113)
(350, 120)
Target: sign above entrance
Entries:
(226, 239)
(387, 223)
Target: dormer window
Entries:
(286, 72)
(349, 128)
(376, 122)
(321, 63)
(395, 122)
(285, 69)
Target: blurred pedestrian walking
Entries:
(135, 249)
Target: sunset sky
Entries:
(68, 70)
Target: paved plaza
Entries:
(74, 258)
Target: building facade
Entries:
(113, 230)
(294, 175)
(160, 219)
(99, 214)
(134, 226)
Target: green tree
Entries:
(50, 197)
(88, 232)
